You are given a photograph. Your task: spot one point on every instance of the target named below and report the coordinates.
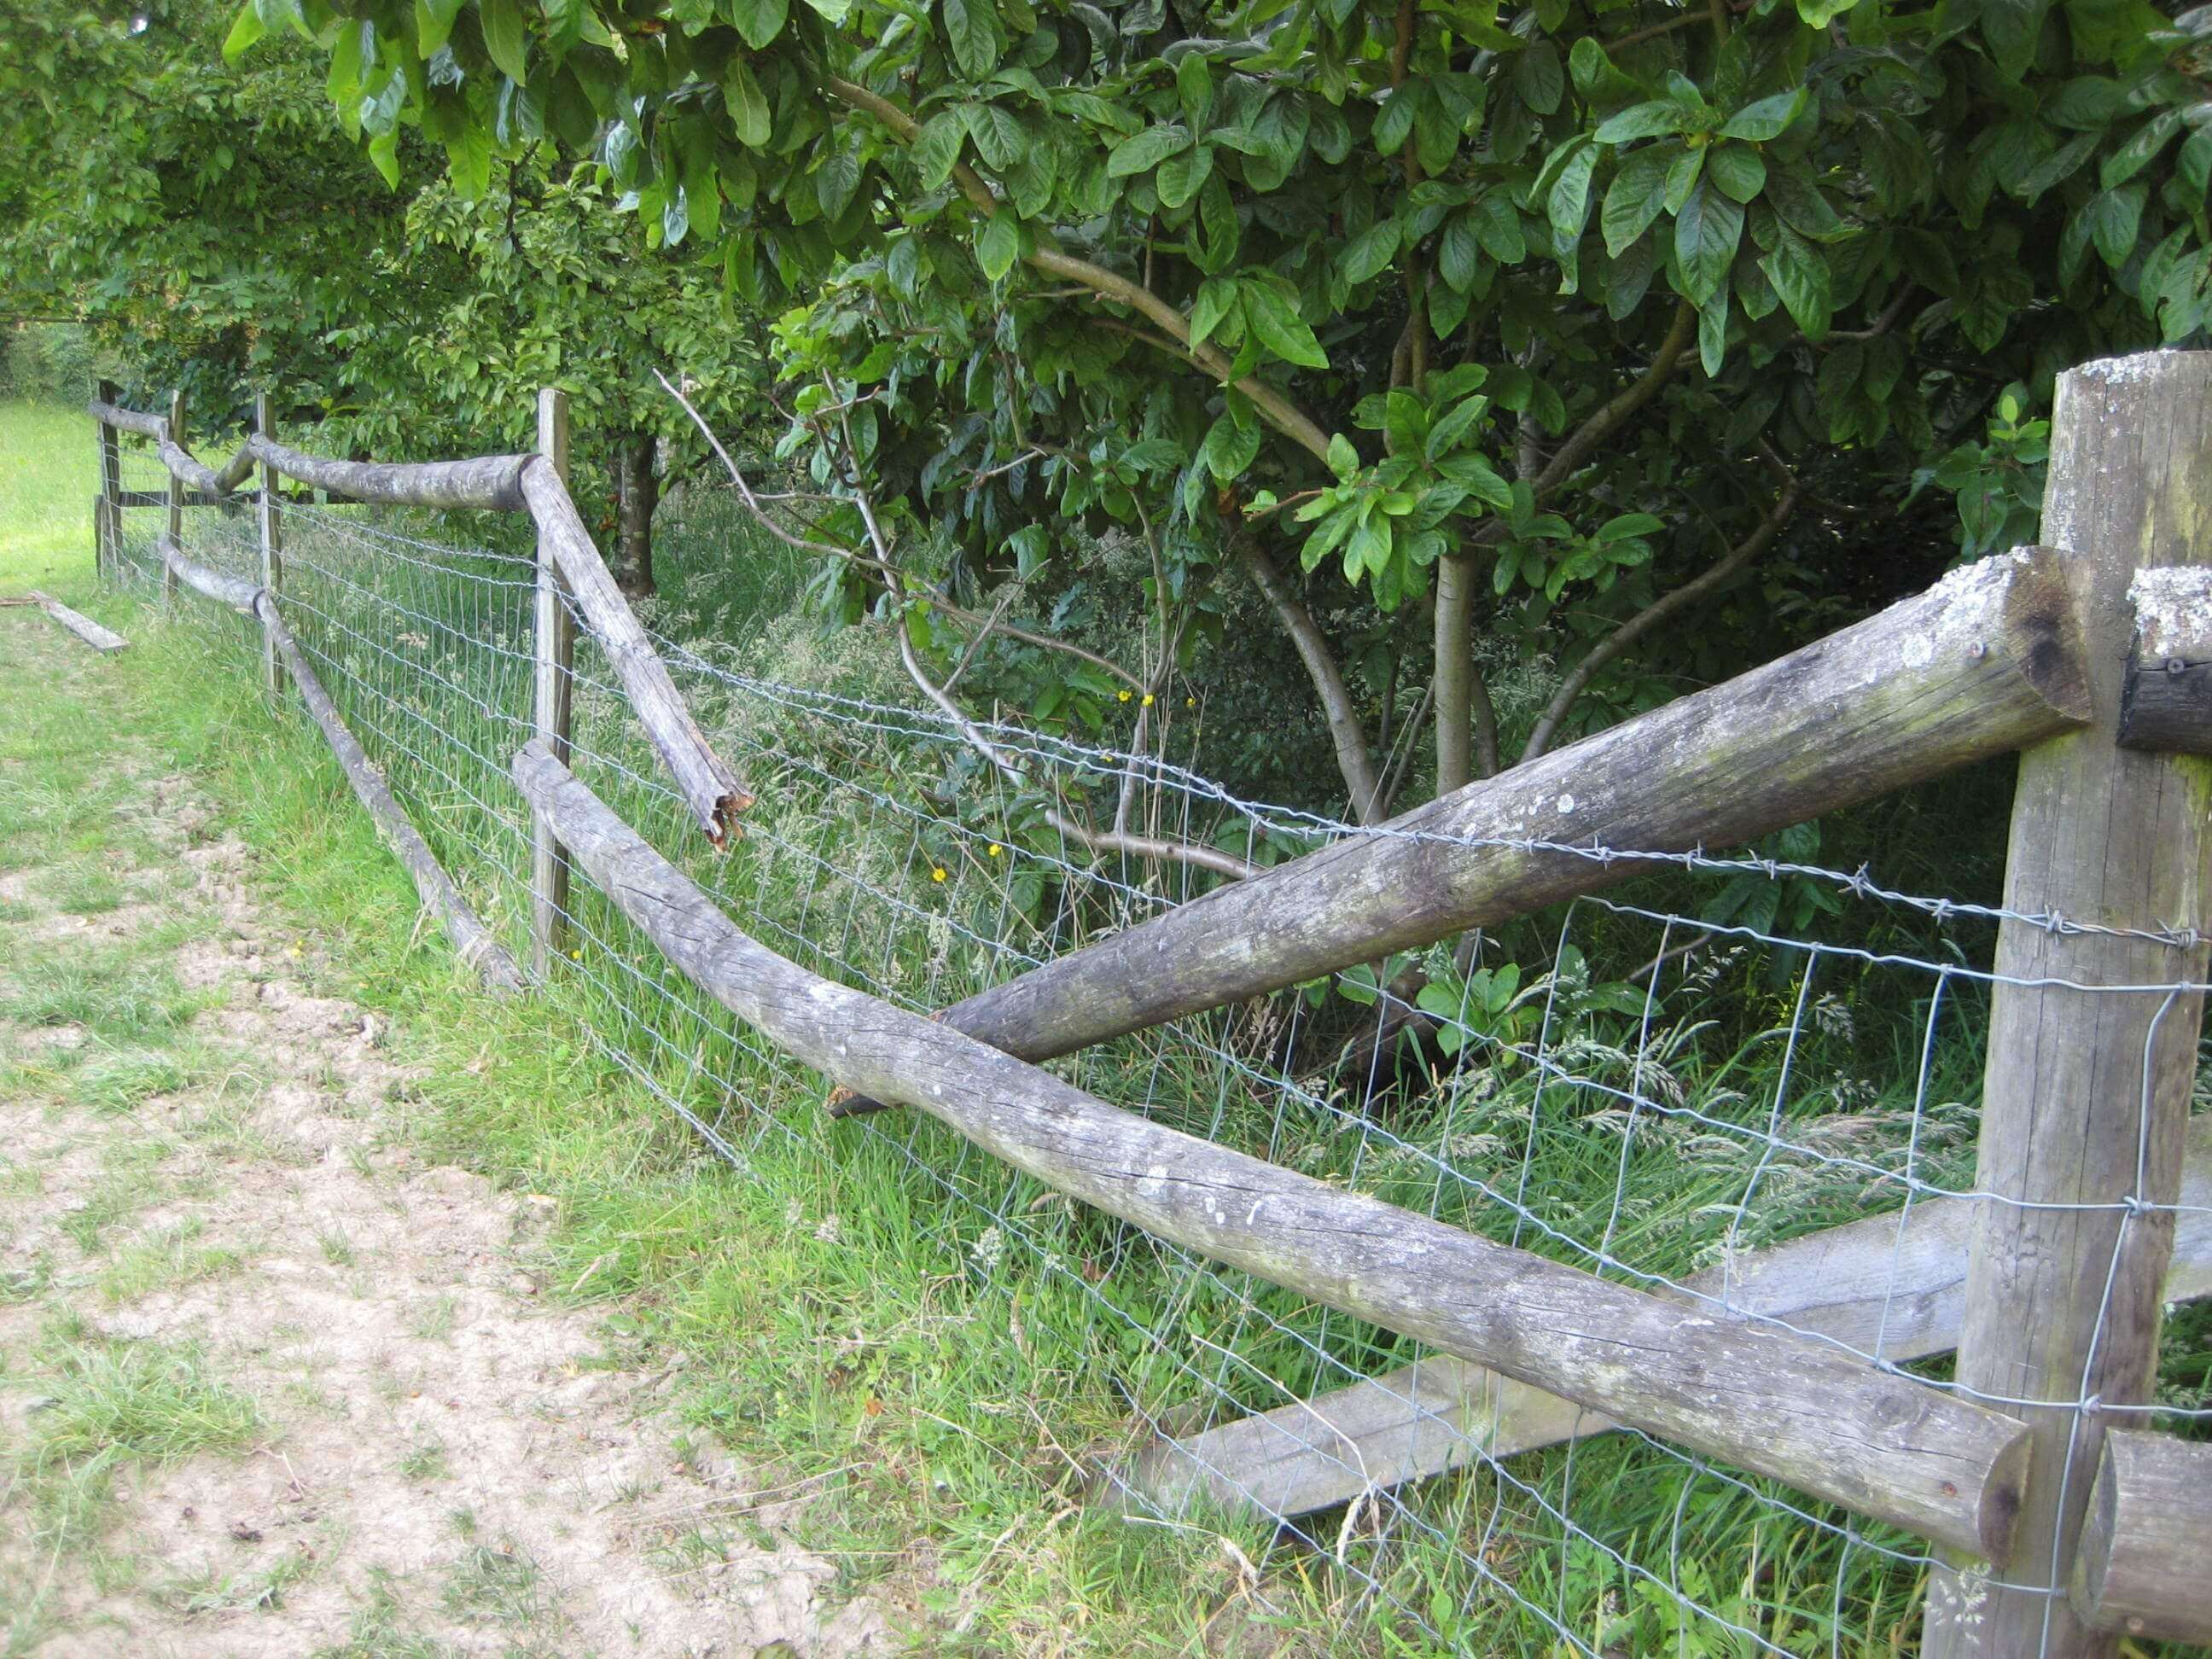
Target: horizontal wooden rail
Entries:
(2144, 1565)
(2166, 701)
(493, 482)
(1891, 1284)
(127, 420)
(1983, 663)
(472, 941)
(1780, 1405)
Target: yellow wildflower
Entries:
(994, 849)
(937, 873)
(1125, 697)
(1148, 700)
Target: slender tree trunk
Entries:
(637, 494)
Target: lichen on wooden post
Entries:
(2086, 1095)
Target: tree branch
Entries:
(1276, 409)
(1658, 611)
(1344, 729)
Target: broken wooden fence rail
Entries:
(1790, 1407)
(2145, 1568)
(236, 591)
(1893, 1284)
(507, 483)
(98, 638)
(1987, 661)
(472, 941)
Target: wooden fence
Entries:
(2064, 1523)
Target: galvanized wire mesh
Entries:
(1652, 1097)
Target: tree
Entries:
(1563, 320)
(198, 216)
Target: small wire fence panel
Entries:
(1649, 1096)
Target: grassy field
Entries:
(49, 473)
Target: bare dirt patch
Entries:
(443, 1459)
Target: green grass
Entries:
(106, 1404)
(49, 473)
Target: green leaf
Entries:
(433, 24)
(1738, 170)
(1799, 272)
(1819, 14)
(1568, 206)
(1370, 252)
(1767, 119)
(2011, 27)
(1793, 194)
(1276, 323)
(1712, 326)
(1182, 175)
(748, 106)
(971, 31)
(1459, 250)
(244, 30)
(1343, 458)
(1635, 198)
(2132, 157)
(1648, 120)
(2114, 219)
(503, 36)
(936, 146)
(999, 244)
(999, 136)
(1217, 298)
(1538, 79)
(1230, 447)
(835, 181)
(1706, 233)
(383, 152)
(1498, 224)
(1147, 149)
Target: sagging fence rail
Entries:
(2045, 1268)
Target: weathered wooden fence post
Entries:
(2086, 1095)
(272, 547)
(176, 494)
(555, 659)
(107, 510)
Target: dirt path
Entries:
(268, 1384)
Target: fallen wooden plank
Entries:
(2144, 1566)
(1890, 1284)
(1987, 661)
(472, 941)
(1764, 1399)
(98, 638)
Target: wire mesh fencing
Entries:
(1668, 1087)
